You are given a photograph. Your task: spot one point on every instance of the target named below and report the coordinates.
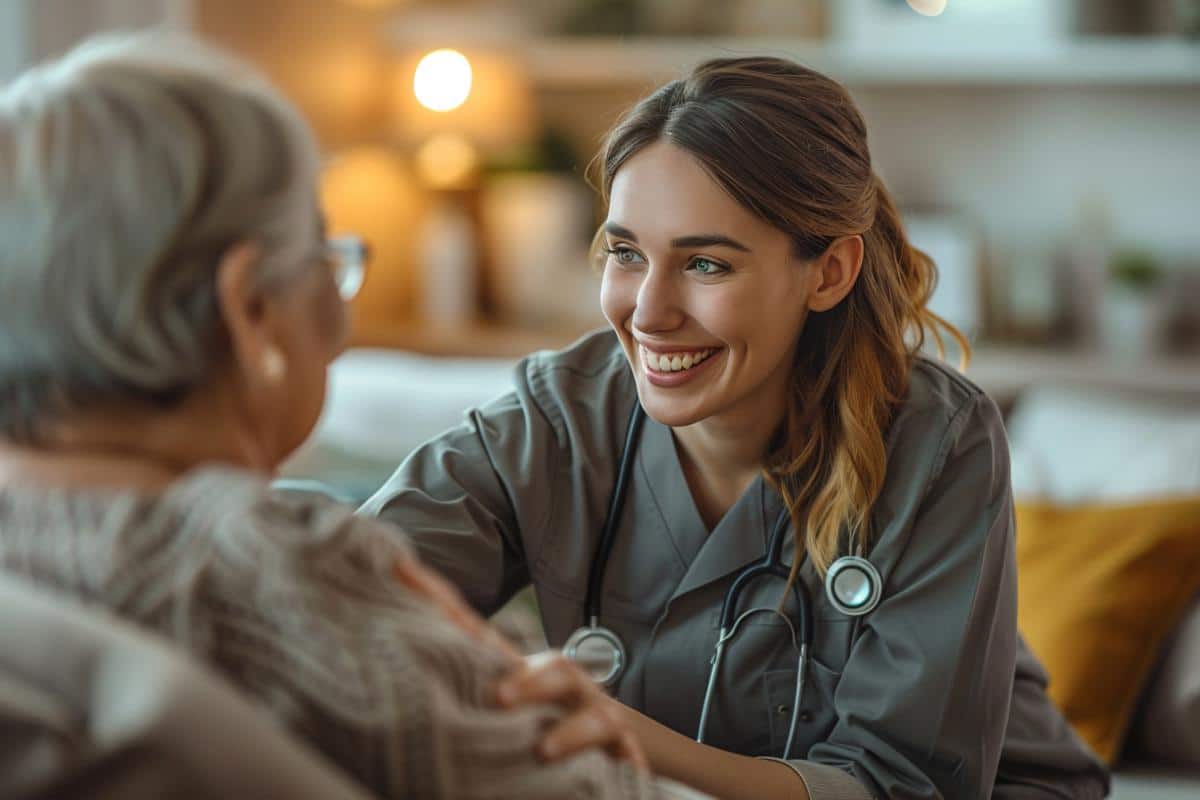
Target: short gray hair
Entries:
(127, 168)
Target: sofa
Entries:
(1072, 444)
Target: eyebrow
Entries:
(696, 240)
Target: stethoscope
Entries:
(852, 585)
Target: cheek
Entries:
(329, 317)
(761, 317)
(730, 313)
(316, 337)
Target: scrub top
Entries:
(931, 694)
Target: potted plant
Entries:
(1133, 304)
(538, 217)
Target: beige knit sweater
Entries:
(293, 600)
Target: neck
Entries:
(129, 448)
(723, 454)
(724, 446)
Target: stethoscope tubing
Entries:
(771, 564)
(616, 504)
(801, 626)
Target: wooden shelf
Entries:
(1003, 371)
(582, 62)
(478, 339)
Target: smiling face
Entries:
(707, 299)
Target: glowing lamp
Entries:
(442, 81)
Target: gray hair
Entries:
(127, 168)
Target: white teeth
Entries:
(675, 362)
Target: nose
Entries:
(658, 302)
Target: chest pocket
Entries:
(816, 715)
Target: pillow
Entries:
(1101, 586)
(1077, 445)
(382, 404)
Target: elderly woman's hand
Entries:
(591, 719)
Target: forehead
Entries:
(663, 191)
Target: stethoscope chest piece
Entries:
(598, 651)
(853, 585)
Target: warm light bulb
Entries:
(447, 161)
(442, 80)
(928, 8)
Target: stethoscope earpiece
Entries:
(853, 586)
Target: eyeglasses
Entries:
(347, 258)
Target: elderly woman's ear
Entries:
(250, 317)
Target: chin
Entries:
(672, 412)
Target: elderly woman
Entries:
(170, 307)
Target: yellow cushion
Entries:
(1100, 587)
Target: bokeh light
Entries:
(447, 161)
(928, 8)
(442, 81)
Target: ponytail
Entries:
(850, 376)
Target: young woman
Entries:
(761, 397)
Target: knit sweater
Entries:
(293, 600)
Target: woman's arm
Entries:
(924, 694)
(456, 498)
(593, 719)
(483, 501)
(717, 772)
(557, 681)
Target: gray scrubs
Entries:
(932, 694)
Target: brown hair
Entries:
(789, 144)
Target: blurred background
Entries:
(1046, 153)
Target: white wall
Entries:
(33, 30)
(14, 38)
(1021, 160)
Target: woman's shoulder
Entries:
(283, 535)
(595, 359)
(583, 391)
(943, 413)
(218, 538)
(937, 387)
(941, 398)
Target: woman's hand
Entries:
(593, 719)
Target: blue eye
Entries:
(704, 266)
(623, 255)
